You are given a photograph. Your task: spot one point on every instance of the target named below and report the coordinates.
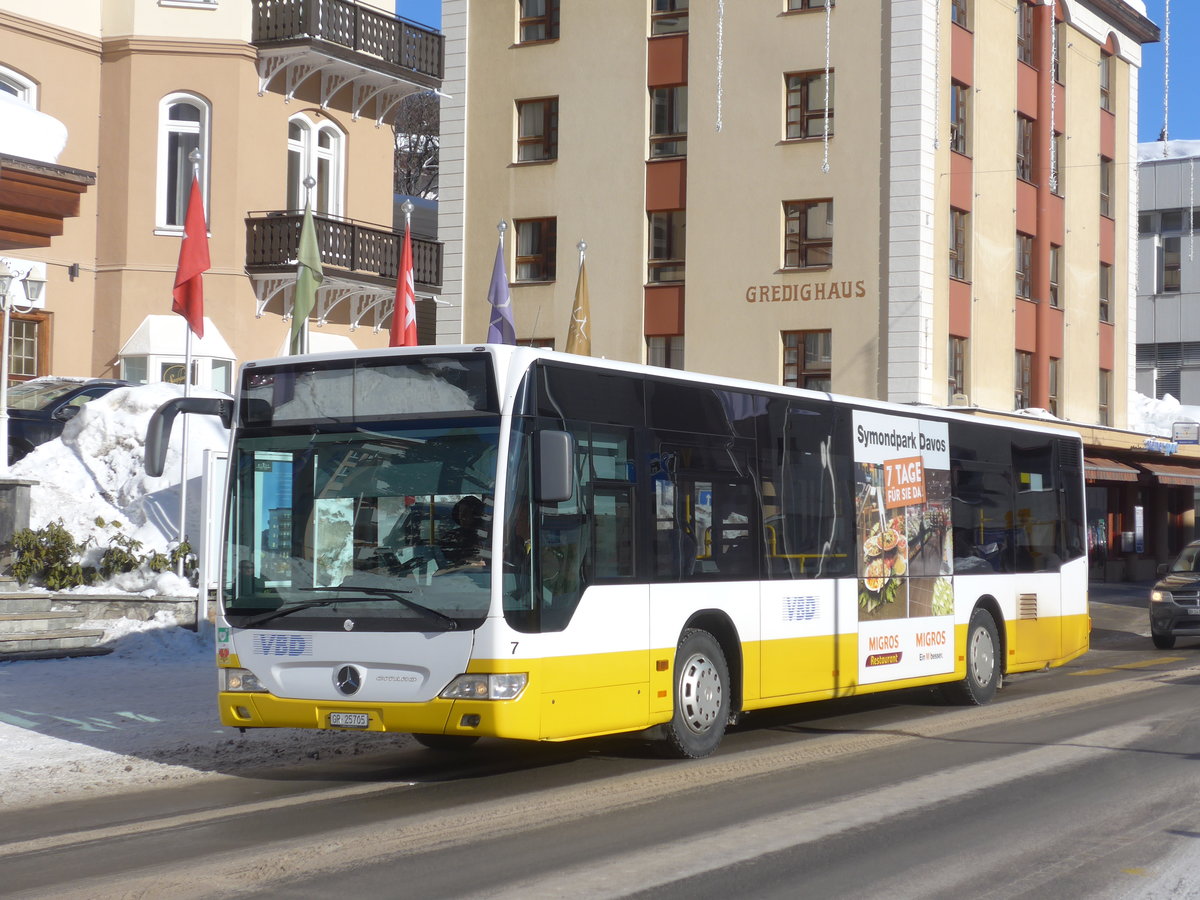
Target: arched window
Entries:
(17, 85)
(317, 150)
(183, 126)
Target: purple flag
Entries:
(500, 329)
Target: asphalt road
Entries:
(1079, 781)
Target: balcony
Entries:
(378, 58)
(360, 263)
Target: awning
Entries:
(1187, 476)
(1099, 468)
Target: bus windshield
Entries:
(390, 527)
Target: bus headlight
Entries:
(1161, 597)
(241, 680)
(486, 687)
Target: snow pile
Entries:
(96, 471)
(1150, 416)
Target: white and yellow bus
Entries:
(649, 550)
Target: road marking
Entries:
(268, 864)
(1106, 670)
(694, 855)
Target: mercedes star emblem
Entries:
(349, 680)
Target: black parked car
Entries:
(1175, 599)
(38, 409)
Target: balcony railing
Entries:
(358, 28)
(371, 252)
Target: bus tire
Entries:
(983, 662)
(445, 742)
(701, 697)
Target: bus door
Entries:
(809, 597)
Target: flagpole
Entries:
(194, 156)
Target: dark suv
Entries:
(1175, 599)
(38, 409)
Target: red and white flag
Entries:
(193, 263)
(404, 316)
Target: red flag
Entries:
(193, 263)
(404, 316)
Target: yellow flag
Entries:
(579, 337)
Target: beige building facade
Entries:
(270, 93)
(921, 201)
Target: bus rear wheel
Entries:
(445, 742)
(701, 697)
(983, 663)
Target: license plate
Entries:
(349, 720)
(1194, 612)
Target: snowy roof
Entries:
(1156, 150)
(27, 133)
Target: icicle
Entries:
(1166, 71)
(937, 69)
(825, 137)
(1192, 209)
(720, 57)
(1053, 94)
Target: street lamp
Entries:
(33, 292)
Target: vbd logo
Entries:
(283, 644)
(799, 609)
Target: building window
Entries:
(1171, 265)
(1052, 385)
(1023, 384)
(808, 234)
(1171, 220)
(315, 151)
(1105, 393)
(797, 5)
(182, 127)
(1025, 32)
(960, 101)
(668, 16)
(1024, 266)
(1055, 276)
(17, 85)
(807, 359)
(808, 94)
(539, 20)
(956, 367)
(1060, 164)
(537, 129)
(28, 346)
(1024, 148)
(959, 225)
(1146, 223)
(668, 232)
(537, 243)
(666, 351)
(960, 13)
(1061, 39)
(1106, 81)
(668, 121)
(1105, 292)
(1106, 206)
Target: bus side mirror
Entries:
(555, 469)
(158, 432)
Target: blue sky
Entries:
(424, 12)
(1183, 109)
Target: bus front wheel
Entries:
(701, 697)
(983, 663)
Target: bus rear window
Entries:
(348, 390)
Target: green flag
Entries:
(309, 276)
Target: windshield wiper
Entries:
(450, 622)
